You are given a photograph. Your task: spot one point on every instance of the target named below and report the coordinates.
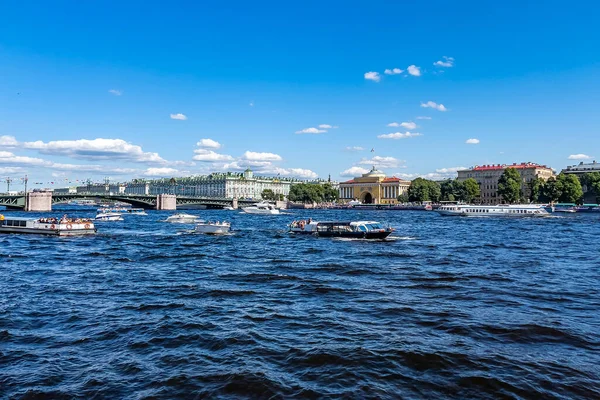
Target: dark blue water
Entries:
(448, 308)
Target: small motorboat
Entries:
(181, 218)
(343, 229)
(228, 208)
(214, 228)
(262, 208)
(108, 217)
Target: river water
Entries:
(447, 308)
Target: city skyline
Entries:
(300, 92)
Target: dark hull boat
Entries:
(341, 229)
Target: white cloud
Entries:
(372, 76)
(423, 117)
(8, 158)
(354, 171)
(354, 148)
(96, 149)
(472, 141)
(327, 126)
(8, 141)
(251, 103)
(301, 173)
(311, 130)
(115, 92)
(434, 105)
(254, 156)
(383, 162)
(205, 155)
(447, 62)
(394, 71)
(208, 144)
(579, 157)
(406, 125)
(160, 172)
(179, 116)
(11, 170)
(399, 135)
(440, 174)
(414, 70)
(449, 170)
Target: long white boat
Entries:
(500, 210)
(47, 226)
(261, 208)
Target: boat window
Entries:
(362, 228)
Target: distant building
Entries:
(582, 168)
(373, 188)
(230, 185)
(487, 177)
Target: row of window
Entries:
(13, 223)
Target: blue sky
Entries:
(522, 78)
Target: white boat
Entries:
(182, 218)
(122, 210)
(108, 217)
(214, 228)
(261, 208)
(47, 226)
(500, 210)
(228, 208)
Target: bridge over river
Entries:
(43, 201)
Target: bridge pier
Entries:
(166, 202)
(234, 203)
(38, 201)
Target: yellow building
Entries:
(373, 188)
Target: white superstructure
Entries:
(501, 210)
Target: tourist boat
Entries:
(214, 228)
(47, 226)
(182, 218)
(343, 229)
(500, 210)
(261, 208)
(108, 217)
(122, 210)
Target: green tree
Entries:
(268, 194)
(591, 181)
(536, 189)
(447, 190)
(403, 198)
(471, 190)
(424, 190)
(329, 193)
(509, 186)
(307, 193)
(571, 188)
(552, 190)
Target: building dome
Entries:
(374, 173)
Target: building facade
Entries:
(373, 188)
(487, 177)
